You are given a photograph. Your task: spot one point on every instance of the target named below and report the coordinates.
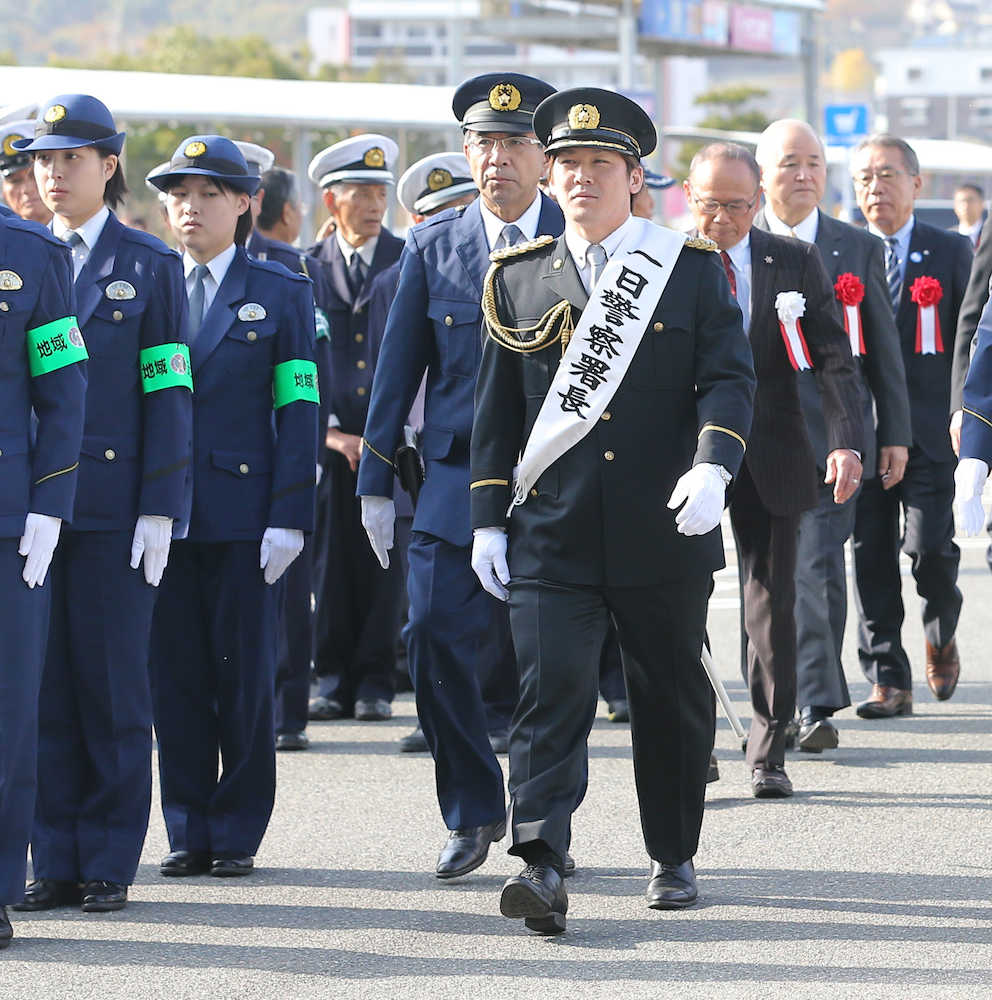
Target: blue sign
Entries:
(845, 124)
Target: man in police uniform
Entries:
(434, 326)
(20, 189)
(44, 376)
(356, 604)
(623, 392)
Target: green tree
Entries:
(729, 111)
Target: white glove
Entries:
(703, 490)
(280, 546)
(41, 535)
(152, 536)
(969, 481)
(378, 519)
(489, 561)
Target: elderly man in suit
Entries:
(793, 178)
(787, 303)
(926, 273)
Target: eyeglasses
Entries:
(884, 175)
(710, 206)
(484, 144)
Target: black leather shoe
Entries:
(6, 931)
(538, 895)
(618, 711)
(373, 710)
(182, 864)
(323, 709)
(568, 869)
(499, 740)
(672, 887)
(466, 849)
(770, 782)
(232, 867)
(816, 732)
(47, 894)
(292, 741)
(414, 742)
(713, 774)
(100, 896)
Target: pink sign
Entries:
(752, 28)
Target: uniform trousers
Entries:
(95, 717)
(766, 558)
(559, 631)
(449, 635)
(925, 495)
(357, 603)
(295, 644)
(213, 684)
(23, 635)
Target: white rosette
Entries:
(791, 307)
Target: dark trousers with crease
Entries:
(766, 558)
(559, 631)
(925, 495)
(213, 668)
(295, 645)
(95, 720)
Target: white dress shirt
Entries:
(972, 232)
(217, 268)
(577, 247)
(805, 230)
(527, 223)
(740, 259)
(89, 231)
(365, 252)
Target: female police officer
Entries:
(94, 754)
(254, 454)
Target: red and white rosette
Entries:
(791, 306)
(926, 293)
(850, 292)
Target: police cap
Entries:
(434, 181)
(589, 116)
(207, 156)
(71, 121)
(11, 159)
(362, 159)
(499, 102)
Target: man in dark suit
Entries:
(969, 207)
(926, 275)
(793, 178)
(357, 606)
(786, 300)
(624, 391)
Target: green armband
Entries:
(165, 366)
(54, 346)
(322, 323)
(293, 380)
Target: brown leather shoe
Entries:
(885, 702)
(943, 670)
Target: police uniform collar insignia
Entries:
(374, 158)
(194, 149)
(10, 281)
(701, 243)
(55, 114)
(439, 178)
(504, 97)
(520, 248)
(582, 116)
(120, 290)
(252, 311)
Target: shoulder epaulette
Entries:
(701, 243)
(521, 248)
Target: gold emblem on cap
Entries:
(504, 97)
(583, 116)
(195, 149)
(55, 114)
(374, 157)
(8, 144)
(439, 178)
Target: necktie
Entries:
(892, 277)
(510, 237)
(196, 299)
(596, 259)
(729, 268)
(73, 239)
(356, 276)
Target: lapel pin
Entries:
(769, 260)
(916, 256)
(251, 311)
(836, 253)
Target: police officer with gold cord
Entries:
(616, 365)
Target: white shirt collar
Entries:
(90, 230)
(805, 230)
(527, 223)
(577, 246)
(971, 231)
(740, 254)
(217, 267)
(366, 251)
(902, 234)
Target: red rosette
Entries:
(849, 289)
(926, 291)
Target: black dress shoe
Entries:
(100, 896)
(672, 887)
(816, 732)
(568, 869)
(770, 782)
(292, 741)
(499, 740)
(373, 710)
(6, 931)
(47, 894)
(713, 774)
(232, 867)
(323, 709)
(414, 742)
(466, 849)
(182, 864)
(538, 895)
(618, 711)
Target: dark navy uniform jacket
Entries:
(976, 427)
(352, 354)
(253, 463)
(435, 324)
(136, 445)
(38, 467)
